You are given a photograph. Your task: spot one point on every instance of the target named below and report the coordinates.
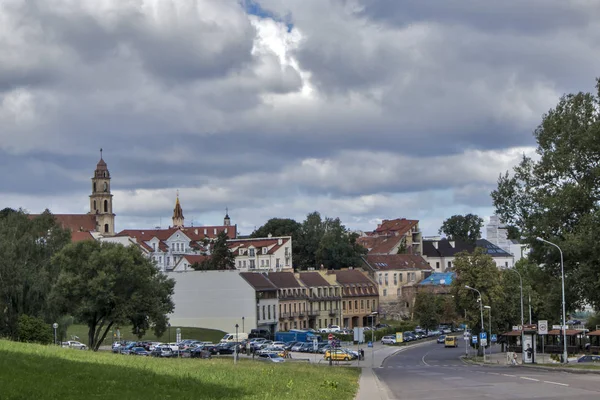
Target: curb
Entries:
(403, 349)
(559, 369)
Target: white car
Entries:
(388, 340)
(72, 344)
(331, 329)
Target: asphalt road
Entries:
(431, 372)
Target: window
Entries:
(251, 252)
(294, 307)
(265, 250)
(267, 263)
(285, 308)
(105, 228)
(105, 187)
(280, 309)
(356, 304)
(437, 265)
(277, 262)
(400, 276)
(380, 278)
(215, 231)
(263, 312)
(368, 304)
(167, 260)
(252, 265)
(154, 246)
(449, 264)
(94, 187)
(506, 265)
(362, 304)
(262, 263)
(399, 292)
(258, 312)
(350, 305)
(384, 292)
(244, 263)
(241, 252)
(105, 205)
(94, 205)
(343, 305)
(304, 324)
(386, 279)
(395, 279)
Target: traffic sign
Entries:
(494, 338)
(330, 337)
(483, 335)
(474, 339)
(542, 327)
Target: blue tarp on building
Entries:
(439, 278)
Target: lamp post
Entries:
(563, 326)
(481, 311)
(55, 327)
(373, 315)
(489, 308)
(522, 320)
(169, 332)
(235, 352)
(243, 329)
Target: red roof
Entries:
(398, 226)
(196, 258)
(397, 261)
(272, 244)
(194, 233)
(74, 222)
(81, 236)
(380, 244)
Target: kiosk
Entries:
(529, 343)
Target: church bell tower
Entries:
(101, 204)
(178, 214)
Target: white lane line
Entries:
(512, 376)
(493, 373)
(529, 379)
(557, 383)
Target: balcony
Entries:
(333, 313)
(301, 313)
(313, 314)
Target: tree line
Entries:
(44, 278)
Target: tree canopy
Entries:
(221, 257)
(426, 310)
(464, 227)
(278, 227)
(106, 284)
(556, 195)
(26, 274)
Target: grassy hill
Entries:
(29, 371)
(207, 335)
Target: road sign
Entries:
(370, 344)
(474, 339)
(494, 338)
(330, 336)
(315, 344)
(399, 337)
(483, 335)
(542, 327)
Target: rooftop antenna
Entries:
(101, 153)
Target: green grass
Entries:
(574, 366)
(29, 371)
(207, 335)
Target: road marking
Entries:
(512, 376)
(493, 373)
(557, 383)
(529, 379)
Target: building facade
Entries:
(393, 237)
(324, 300)
(266, 300)
(262, 254)
(440, 253)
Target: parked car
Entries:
(139, 351)
(271, 357)
(331, 329)
(589, 359)
(441, 339)
(72, 344)
(388, 340)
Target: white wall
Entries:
(213, 299)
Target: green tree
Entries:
(464, 227)
(338, 247)
(278, 227)
(106, 284)
(221, 257)
(426, 310)
(556, 195)
(309, 240)
(34, 330)
(26, 274)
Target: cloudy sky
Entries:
(362, 109)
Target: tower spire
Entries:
(178, 213)
(101, 153)
(226, 220)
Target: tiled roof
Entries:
(194, 233)
(438, 278)
(379, 244)
(271, 243)
(80, 236)
(396, 262)
(258, 281)
(351, 276)
(396, 226)
(195, 258)
(313, 279)
(283, 280)
(74, 222)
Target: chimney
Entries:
(452, 243)
(270, 235)
(280, 242)
(196, 231)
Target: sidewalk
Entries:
(369, 386)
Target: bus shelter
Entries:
(594, 341)
(555, 345)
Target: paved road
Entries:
(433, 372)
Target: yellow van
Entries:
(450, 341)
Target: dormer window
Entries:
(215, 231)
(265, 250)
(205, 231)
(241, 252)
(251, 252)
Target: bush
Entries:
(33, 329)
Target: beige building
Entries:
(393, 274)
(360, 297)
(324, 300)
(293, 299)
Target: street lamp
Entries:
(244, 330)
(373, 315)
(169, 332)
(564, 318)
(489, 308)
(235, 352)
(522, 320)
(481, 311)
(55, 327)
